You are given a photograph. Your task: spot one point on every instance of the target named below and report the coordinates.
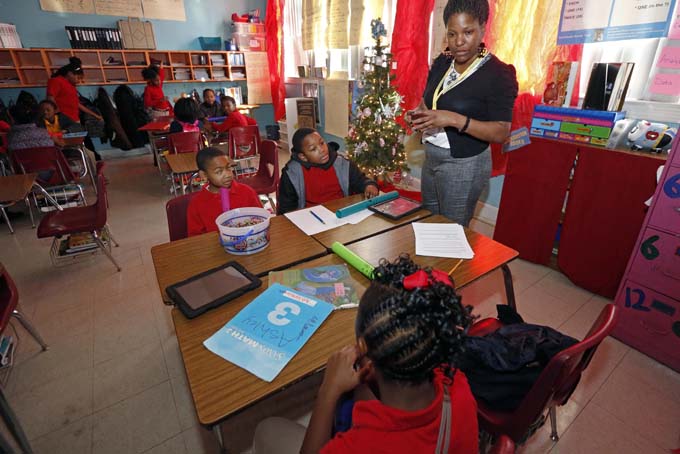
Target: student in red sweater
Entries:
(154, 98)
(220, 194)
(234, 117)
(410, 328)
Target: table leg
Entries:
(509, 287)
(6, 218)
(217, 430)
(30, 210)
(181, 181)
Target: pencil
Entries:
(455, 267)
(317, 217)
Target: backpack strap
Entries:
(444, 439)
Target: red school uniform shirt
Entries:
(235, 118)
(154, 96)
(206, 206)
(65, 96)
(321, 185)
(377, 428)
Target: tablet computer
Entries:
(396, 208)
(211, 288)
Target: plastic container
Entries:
(210, 42)
(244, 231)
(249, 42)
(247, 27)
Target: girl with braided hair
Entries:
(410, 330)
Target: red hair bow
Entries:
(421, 279)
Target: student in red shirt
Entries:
(220, 194)
(410, 330)
(61, 90)
(234, 117)
(316, 174)
(154, 98)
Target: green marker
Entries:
(350, 257)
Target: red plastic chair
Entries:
(185, 142)
(91, 218)
(9, 299)
(554, 385)
(176, 212)
(266, 180)
(504, 445)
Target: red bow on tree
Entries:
(420, 279)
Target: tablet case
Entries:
(189, 312)
(377, 208)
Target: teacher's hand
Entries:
(427, 119)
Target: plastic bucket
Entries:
(244, 231)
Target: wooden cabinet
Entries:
(33, 67)
(649, 295)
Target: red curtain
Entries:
(410, 48)
(274, 41)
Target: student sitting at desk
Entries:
(220, 194)
(410, 330)
(186, 116)
(209, 108)
(234, 117)
(316, 174)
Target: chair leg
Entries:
(113, 240)
(29, 327)
(553, 424)
(6, 218)
(271, 201)
(12, 423)
(27, 200)
(104, 249)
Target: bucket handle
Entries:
(237, 240)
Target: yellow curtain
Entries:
(524, 33)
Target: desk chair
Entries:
(185, 142)
(553, 387)
(91, 219)
(266, 180)
(176, 212)
(244, 145)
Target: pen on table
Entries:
(317, 217)
(455, 267)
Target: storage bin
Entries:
(210, 42)
(249, 42)
(248, 28)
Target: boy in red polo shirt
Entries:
(316, 174)
(220, 194)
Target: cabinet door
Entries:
(650, 322)
(666, 214)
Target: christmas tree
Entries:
(375, 140)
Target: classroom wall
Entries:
(38, 28)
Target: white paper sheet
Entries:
(306, 221)
(358, 216)
(442, 240)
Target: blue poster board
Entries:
(588, 21)
(269, 331)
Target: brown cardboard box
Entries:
(137, 34)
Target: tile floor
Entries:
(113, 381)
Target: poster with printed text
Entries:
(68, 6)
(129, 8)
(588, 21)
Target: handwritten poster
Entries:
(257, 72)
(438, 28)
(129, 8)
(269, 331)
(587, 21)
(164, 9)
(337, 107)
(308, 25)
(665, 84)
(338, 15)
(674, 32)
(669, 58)
(68, 6)
(356, 21)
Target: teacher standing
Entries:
(467, 104)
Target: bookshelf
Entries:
(21, 68)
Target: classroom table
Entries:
(373, 225)
(13, 189)
(182, 259)
(489, 255)
(157, 129)
(181, 164)
(221, 389)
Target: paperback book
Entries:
(330, 283)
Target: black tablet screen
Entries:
(207, 289)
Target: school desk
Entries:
(489, 255)
(371, 226)
(181, 164)
(13, 189)
(182, 259)
(221, 389)
(157, 130)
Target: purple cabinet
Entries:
(649, 294)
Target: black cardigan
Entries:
(487, 95)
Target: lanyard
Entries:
(440, 91)
(224, 196)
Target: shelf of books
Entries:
(33, 67)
